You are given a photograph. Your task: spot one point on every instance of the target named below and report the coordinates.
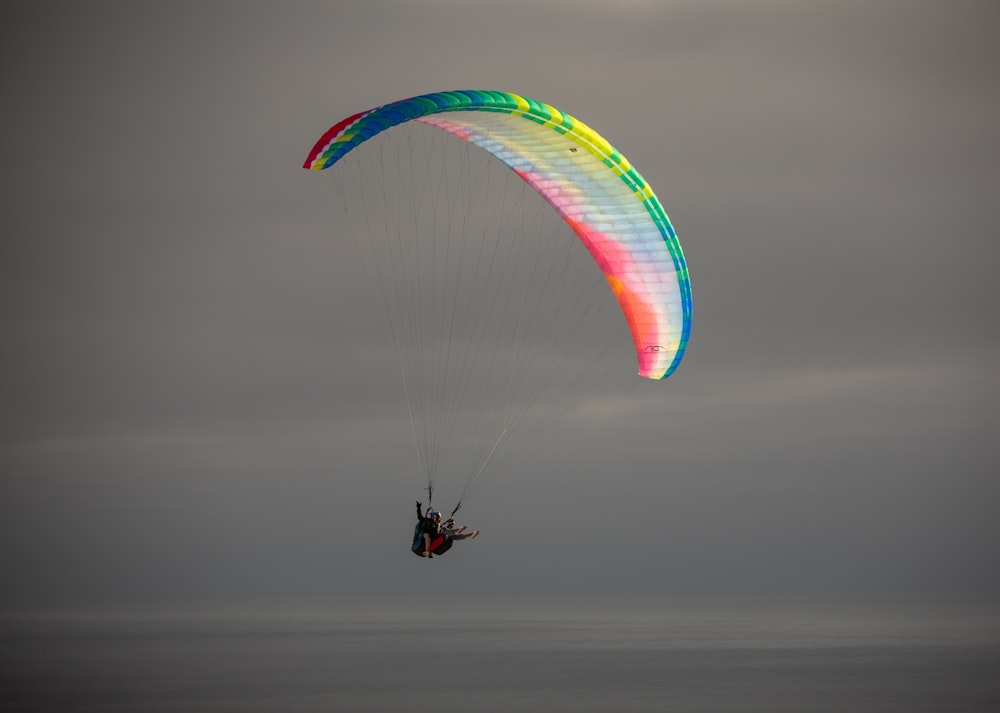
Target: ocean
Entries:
(360, 659)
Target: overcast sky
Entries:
(188, 408)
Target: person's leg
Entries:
(466, 536)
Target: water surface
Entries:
(371, 659)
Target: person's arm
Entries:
(420, 514)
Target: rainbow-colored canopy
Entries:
(594, 188)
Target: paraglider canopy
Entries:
(600, 195)
(480, 344)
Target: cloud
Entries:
(188, 356)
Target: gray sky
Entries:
(189, 411)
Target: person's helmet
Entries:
(434, 515)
